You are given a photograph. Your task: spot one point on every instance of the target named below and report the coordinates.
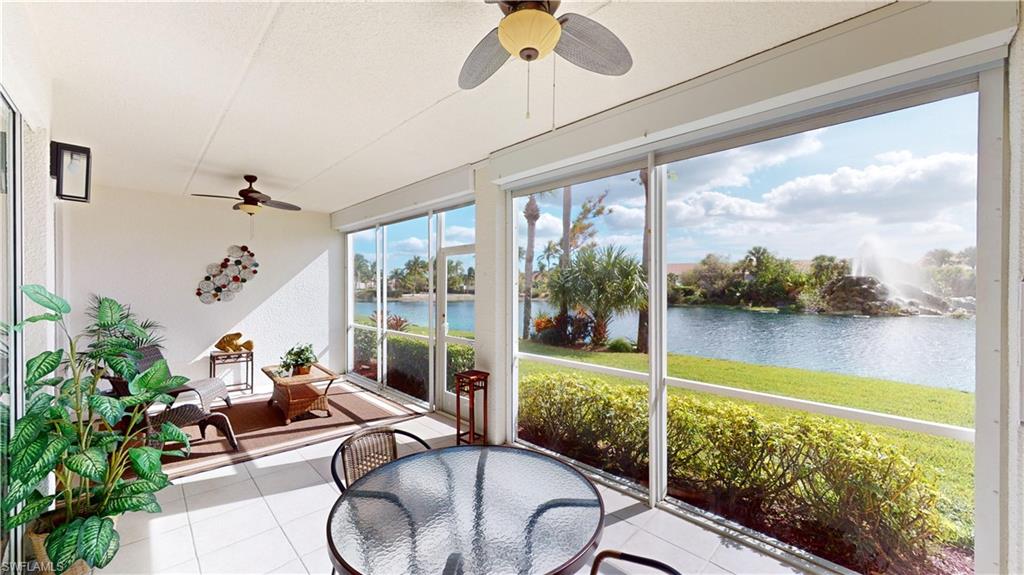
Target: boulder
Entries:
(858, 295)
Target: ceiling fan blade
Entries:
(592, 47)
(235, 198)
(483, 61)
(260, 196)
(281, 205)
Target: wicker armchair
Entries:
(622, 556)
(364, 451)
(190, 414)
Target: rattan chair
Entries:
(364, 451)
(645, 561)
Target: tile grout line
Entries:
(274, 515)
(191, 534)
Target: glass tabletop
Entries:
(467, 509)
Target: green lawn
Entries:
(950, 463)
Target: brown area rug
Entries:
(260, 428)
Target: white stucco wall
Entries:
(149, 250)
(1015, 433)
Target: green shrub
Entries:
(364, 349)
(620, 345)
(857, 499)
(409, 363)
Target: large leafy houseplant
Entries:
(298, 359)
(88, 440)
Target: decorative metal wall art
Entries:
(227, 277)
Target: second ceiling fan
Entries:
(530, 31)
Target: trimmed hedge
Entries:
(813, 482)
(409, 361)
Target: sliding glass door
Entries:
(406, 277)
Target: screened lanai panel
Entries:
(582, 306)
(407, 306)
(835, 267)
(365, 274)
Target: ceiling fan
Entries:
(253, 200)
(530, 31)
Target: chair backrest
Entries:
(150, 355)
(364, 451)
(645, 561)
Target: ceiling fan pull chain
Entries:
(252, 228)
(554, 58)
(527, 90)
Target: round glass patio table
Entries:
(467, 509)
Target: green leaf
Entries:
(47, 461)
(145, 461)
(36, 505)
(134, 329)
(33, 319)
(153, 378)
(41, 296)
(17, 490)
(22, 460)
(141, 398)
(140, 486)
(123, 366)
(62, 545)
(119, 504)
(108, 313)
(97, 541)
(91, 463)
(42, 365)
(40, 403)
(26, 430)
(171, 432)
(110, 408)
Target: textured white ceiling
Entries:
(330, 104)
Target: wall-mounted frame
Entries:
(71, 166)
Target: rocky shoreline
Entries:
(866, 295)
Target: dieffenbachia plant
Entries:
(88, 440)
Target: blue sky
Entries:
(904, 181)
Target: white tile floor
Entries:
(269, 515)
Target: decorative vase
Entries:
(300, 370)
(38, 541)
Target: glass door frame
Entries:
(444, 400)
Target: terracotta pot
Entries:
(38, 541)
(300, 370)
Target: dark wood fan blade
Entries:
(235, 198)
(483, 61)
(592, 47)
(281, 205)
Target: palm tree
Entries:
(606, 281)
(456, 275)
(532, 213)
(642, 329)
(551, 251)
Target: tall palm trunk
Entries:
(566, 255)
(532, 214)
(642, 331)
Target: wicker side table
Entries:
(468, 383)
(298, 394)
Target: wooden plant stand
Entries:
(298, 394)
(468, 383)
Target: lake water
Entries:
(933, 351)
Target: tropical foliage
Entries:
(298, 356)
(605, 281)
(88, 440)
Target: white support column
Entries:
(657, 348)
(991, 493)
(492, 317)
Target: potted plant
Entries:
(298, 359)
(88, 440)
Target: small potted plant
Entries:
(87, 440)
(298, 359)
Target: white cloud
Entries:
(411, 245)
(459, 234)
